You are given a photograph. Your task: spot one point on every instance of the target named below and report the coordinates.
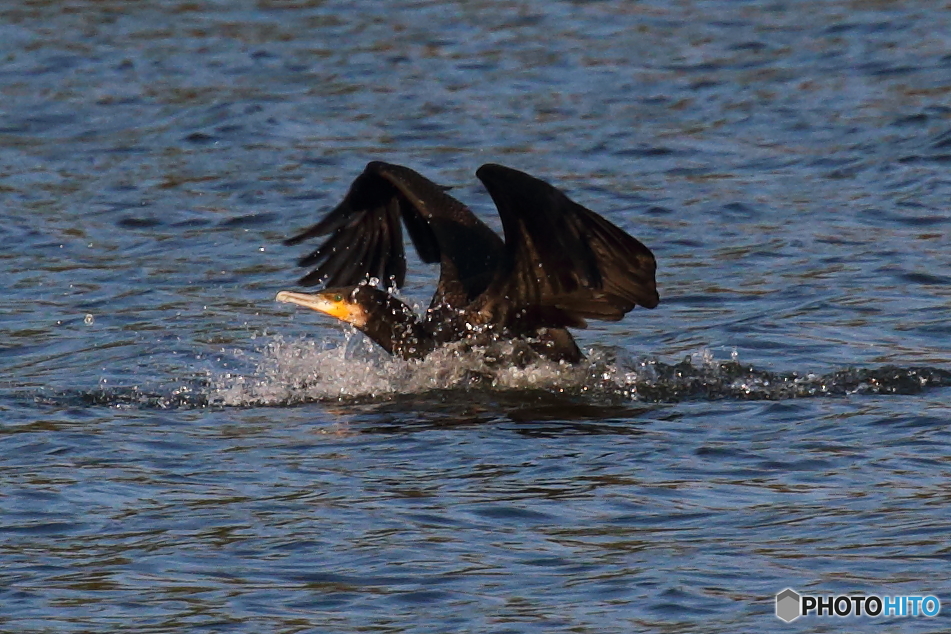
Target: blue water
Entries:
(178, 452)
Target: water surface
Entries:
(181, 453)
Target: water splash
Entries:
(299, 371)
(287, 372)
(192, 394)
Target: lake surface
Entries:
(180, 453)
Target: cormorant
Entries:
(559, 265)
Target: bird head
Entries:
(348, 304)
(383, 318)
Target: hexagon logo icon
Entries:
(787, 605)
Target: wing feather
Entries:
(564, 263)
(365, 239)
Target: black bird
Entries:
(559, 265)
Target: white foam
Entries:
(293, 371)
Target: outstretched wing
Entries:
(365, 237)
(564, 263)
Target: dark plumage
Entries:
(560, 263)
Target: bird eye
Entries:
(338, 297)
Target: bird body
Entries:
(559, 265)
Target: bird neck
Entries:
(395, 326)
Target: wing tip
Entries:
(295, 239)
(651, 302)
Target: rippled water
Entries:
(181, 453)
